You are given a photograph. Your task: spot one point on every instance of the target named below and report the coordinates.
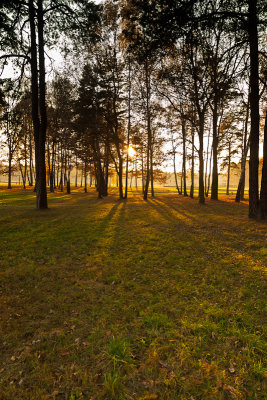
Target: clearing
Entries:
(108, 299)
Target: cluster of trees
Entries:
(140, 73)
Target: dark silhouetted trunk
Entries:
(184, 155)
(175, 173)
(201, 162)
(149, 136)
(76, 172)
(214, 184)
(30, 174)
(81, 177)
(85, 177)
(206, 165)
(193, 164)
(34, 89)
(41, 194)
(128, 127)
(9, 186)
(38, 102)
(151, 172)
(254, 111)
(142, 170)
(228, 168)
(241, 184)
(263, 195)
(209, 175)
(52, 169)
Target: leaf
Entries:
(231, 368)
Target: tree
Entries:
(10, 122)
(263, 193)
(37, 13)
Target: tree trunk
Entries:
(85, 177)
(30, 176)
(241, 184)
(128, 127)
(142, 167)
(151, 172)
(254, 110)
(91, 176)
(175, 173)
(184, 155)
(51, 176)
(193, 164)
(228, 169)
(68, 181)
(263, 195)
(208, 185)
(214, 184)
(106, 170)
(76, 171)
(201, 162)
(41, 182)
(206, 165)
(148, 116)
(81, 177)
(120, 176)
(34, 89)
(9, 171)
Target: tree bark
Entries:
(184, 155)
(228, 169)
(254, 110)
(201, 162)
(241, 184)
(38, 101)
(214, 185)
(128, 127)
(9, 172)
(41, 184)
(193, 164)
(148, 130)
(34, 88)
(174, 171)
(263, 195)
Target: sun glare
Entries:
(131, 151)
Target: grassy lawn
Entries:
(107, 299)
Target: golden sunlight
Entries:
(131, 151)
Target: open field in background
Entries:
(107, 299)
(158, 189)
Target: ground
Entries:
(108, 299)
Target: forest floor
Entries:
(107, 299)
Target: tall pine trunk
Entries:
(214, 184)
(174, 171)
(184, 154)
(41, 183)
(241, 184)
(128, 127)
(228, 168)
(193, 164)
(263, 195)
(201, 162)
(254, 111)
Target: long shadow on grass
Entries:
(220, 242)
(168, 214)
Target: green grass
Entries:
(107, 299)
